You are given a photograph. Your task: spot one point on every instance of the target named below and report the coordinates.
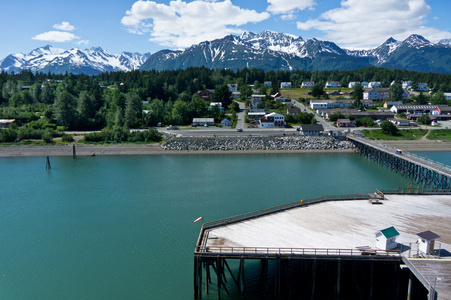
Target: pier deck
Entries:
(344, 228)
(339, 225)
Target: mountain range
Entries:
(266, 50)
(89, 61)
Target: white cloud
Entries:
(55, 36)
(64, 26)
(181, 24)
(361, 23)
(287, 7)
(83, 42)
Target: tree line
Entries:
(139, 99)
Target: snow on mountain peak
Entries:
(89, 61)
(416, 41)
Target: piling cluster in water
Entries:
(255, 143)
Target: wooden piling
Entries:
(47, 164)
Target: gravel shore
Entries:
(241, 145)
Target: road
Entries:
(241, 115)
(319, 120)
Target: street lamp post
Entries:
(434, 293)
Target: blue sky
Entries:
(149, 26)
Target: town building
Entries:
(352, 84)
(203, 122)
(374, 84)
(345, 123)
(272, 120)
(321, 104)
(332, 85)
(293, 111)
(307, 84)
(255, 100)
(232, 87)
(226, 123)
(256, 113)
(422, 87)
(389, 104)
(366, 103)
(426, 241)
(399, 122)
(285, 85)
(386, 238)
(316, 129)
(218, 105)
(406, 84)
(6, 123)
(328, 112)
(205, 94)
(413, 109)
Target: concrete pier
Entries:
(333, 234)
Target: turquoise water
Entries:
(122, 227)
(443, 157)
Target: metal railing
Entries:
(273, 251)
(283, 207)
(406, 155)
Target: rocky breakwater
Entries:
(306, 143)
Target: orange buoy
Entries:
(198, 219)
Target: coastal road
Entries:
(241, 115)
(319, 120)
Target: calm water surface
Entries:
(122, 227)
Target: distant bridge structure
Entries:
(423, 171)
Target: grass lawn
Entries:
(302, 93)
(404, 134)
(439, 134)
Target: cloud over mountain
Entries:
(182, 24)
(363, 24)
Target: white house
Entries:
(226, 122)
(374, 84)
(406, 84)
(364, 84)
(285, 85)
(216, 104)
(307, 84)
(371, 94)
(352, 84)
(447, 96)
(321, 104)
(386, 238)
(272, 120)
(332, 85)
(426, 241)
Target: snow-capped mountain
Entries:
(267, 50)
(278, 51)
(89, 61)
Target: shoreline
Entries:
(151, 149)
(156, 149)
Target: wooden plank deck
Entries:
(436, 268)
